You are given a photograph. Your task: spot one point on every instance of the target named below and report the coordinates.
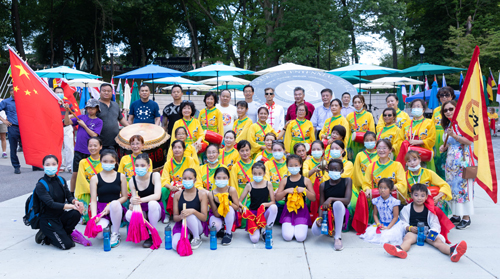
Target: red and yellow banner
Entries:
(472, 120)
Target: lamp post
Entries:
(422, 51)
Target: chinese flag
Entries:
(38, 113)
(472, 120)
(69, 96)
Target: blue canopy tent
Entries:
(427, 95)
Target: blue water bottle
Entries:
(324, 224)
(421, 234)
(107, 240)
(168, 238)
(213, 237)
(269, 236)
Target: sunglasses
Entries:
(444, 95)
(269, 93)
(448, 110)
(388, 115)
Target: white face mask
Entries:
(417, 112)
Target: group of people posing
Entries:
(296, 175)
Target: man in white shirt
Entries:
(248, 91)
(346, 108)
(323, 112)
(276, 112)
(229, 113)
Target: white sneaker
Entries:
(115, 240)
(195, 243)
(166, 220)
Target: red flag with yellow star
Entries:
(38, 114)
(69, 96)
(472, 120)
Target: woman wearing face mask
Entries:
(146, 192)
(267, 154)
(336, 150)
(299, 130)
(210, 117)
(458, 157)
(335, 196)
(444, 95)
(300, 149)
(207, 170)
(390, 131)
(261, 195)
(421, 131)
(108, 192)
(171, 177)
(195, 212)
(257, 132)
(181, 134)
(384, 167)
(359, 121)
(311, 168)
(59, 211)
(228, 156)
(87, 168)
(416, 174)
(127, 165)
(336, 119)
(276, 167)
(295, 218)
(364, 158)
(195, 132)
(241, 173)
(224, 203)
(401, 118)
(241, 125)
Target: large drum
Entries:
(425, 154)
(213, 137)
(154, 139)
(358, 137)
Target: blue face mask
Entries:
(278, 155)
(141, 171)
(50, 170)
(317, 154)
(335, 154)
(334, 175)
(370, 144)
(188, 184)
(258, 178)
(413, 168)
(108, 167)
(60, 95)
(221, 183)
(417, 112)
(359, 110)
(294, 171)
(212, 162)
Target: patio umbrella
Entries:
(397, 81)
(217, 70)
(86, 82)
(64, 72)
(360, 70)
(150, 72)
(369, 87)
(229, 80)
(434, 102)
(135, 94)
(287, 67)
(222, 87)
(427, 95)
(353, 79)
(172, 80)
(126, 96)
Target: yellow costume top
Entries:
(190, 151)
(193, 129)
(334, 121)
(240, 127)
(256, 135)
(363, 159)
(492, 116)
(348, 170)
(206, 170)
(299, 131)
(127, 166)
(392, 170)
(423, 129)
(361, 122)
(310, 164)
(87, 168)
(211, 119)
(266, 155)
(436, 116)
(275, 172)
(429, 178)
(402, 120)
(229, 158)
(172, 172)
(394, 135)
(241, 174)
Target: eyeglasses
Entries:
(448, 110)
(444, 95)
(388, 115)
(269, 93)
(277, 141)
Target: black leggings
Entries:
(58, 230)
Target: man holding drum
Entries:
(109, 113)
(144, 110)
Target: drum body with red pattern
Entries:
(358, 137)
(213, 137)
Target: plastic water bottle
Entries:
(324, 224)
(107, 240)
(213, 237)
(269, 236)
(168, 238)
(421, 234)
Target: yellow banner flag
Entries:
(472, 120)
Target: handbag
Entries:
(471, 171)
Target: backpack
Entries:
(32, 207)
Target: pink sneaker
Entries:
(79, 238)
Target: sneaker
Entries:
(195, 243)
(395, 251)
(338, 245)
(115, 240)
(220, 233)
(39, 237)
(17, 170)
(166, 220)
(457, 251)
(263, 234)
(464, 224)
(455, 219)
(226, 240)
(4, 155)
(148, 242)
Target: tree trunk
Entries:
(394, 47)
(96, 46)
(16, 29)
(61, 51)
(273, 16)
(51, 27)
(350, 28)
(193, 34)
